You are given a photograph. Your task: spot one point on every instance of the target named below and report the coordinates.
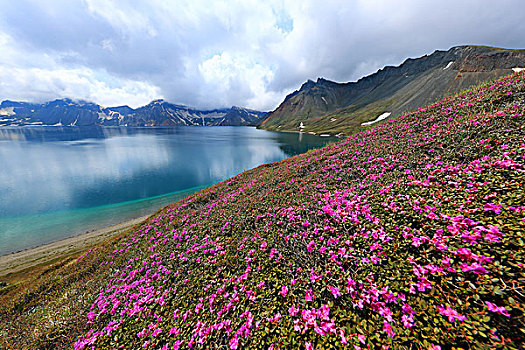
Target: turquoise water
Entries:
(59, 182)
(32, 230)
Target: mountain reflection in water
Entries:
(50, 174)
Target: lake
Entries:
(56, 182)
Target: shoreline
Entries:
(12, 264)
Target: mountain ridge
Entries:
(327, 106)
(69, 112)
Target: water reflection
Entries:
(63, 171)
(41, 177)
(50, 169)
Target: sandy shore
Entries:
(15, 263)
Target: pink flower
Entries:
(497, 309)
(342, 335)
(309, 295)
(234, 343)
(475, 267)
(324, 313)
(407, 320)
(308, 346)
(143, 333)
(493, 207)
(387, 328)
(452, 314)
(293, 311)
(407, 309)
(334, 291)
(464, 253)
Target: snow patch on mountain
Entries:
(381, 117)
(7, 111)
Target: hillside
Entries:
(67, 112)
(326, 106)
(409, 235)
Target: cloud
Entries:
(215, 54)
(49, 80)
(236, 77)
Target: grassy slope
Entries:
(407, 235)
(429, 88)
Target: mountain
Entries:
(157, 113)
(327, 106)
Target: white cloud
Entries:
(107, 44)
(219, 53)
(39, 85)
(233, 76)
(125, 17)
(38, 76)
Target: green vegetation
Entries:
(408, 235)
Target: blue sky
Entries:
(220, 53)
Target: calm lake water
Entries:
(56, 182)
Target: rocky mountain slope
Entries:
(157, 113)
(326, 106)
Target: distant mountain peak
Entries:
(70, 112)
(307, 85)
(157, 102)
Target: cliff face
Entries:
(332, 107)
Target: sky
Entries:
(211, 54)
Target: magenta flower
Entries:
(452, 314)
(335, 291)
(498, 309)
(387, 328)
(309, 295)
(475, 267)
(310, 246)
(493, 207)
(293, 310)
(234, 343)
